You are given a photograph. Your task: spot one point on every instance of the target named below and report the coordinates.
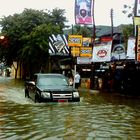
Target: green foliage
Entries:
(127, 30)
(35, 45)
(85, 31)
(28, 34)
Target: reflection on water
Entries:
(100, 116)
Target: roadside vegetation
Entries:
(26, 37)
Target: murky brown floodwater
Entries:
(97, 116)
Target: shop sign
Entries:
(74, 40)
(83, 60)
(86, 52)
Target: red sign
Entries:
(102, 53)
(106, 39)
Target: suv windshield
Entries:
(51, 80)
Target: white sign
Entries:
(83, 60)
(131, 48)
(101, 53)
(137, 7)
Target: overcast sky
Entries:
(101, 9)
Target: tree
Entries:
(128, 30)
(85, 31)
(129, 10)
(57, 18)
(28, 34)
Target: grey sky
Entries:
(101, 9)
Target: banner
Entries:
(138, 44)
(102, 52)
(58, 45)
(137, 5)
(84, 12)
(131, 48)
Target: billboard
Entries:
(118, 52)
(86, 52)
(137, 9)
(138, 44)
(84, 11)
(75, 40)
(102, 52)
(87, 41)
(58, 45)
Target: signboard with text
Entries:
(75, 51)
(74, 40)
(86, 52)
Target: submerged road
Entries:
(98, 116)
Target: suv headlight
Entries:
(75, 94)
(46, 94)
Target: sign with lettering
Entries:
(86, 52)
(75, 40)
(75, 51)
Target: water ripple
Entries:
(97, 116)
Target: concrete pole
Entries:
(74, 76)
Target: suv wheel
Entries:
(37, 99)
(26, 93)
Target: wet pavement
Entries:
(98, 116)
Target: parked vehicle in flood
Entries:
(51, 88)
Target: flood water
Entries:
(98, 116)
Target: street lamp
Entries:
(2, 37)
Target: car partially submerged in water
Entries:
(51, 88)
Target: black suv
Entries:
(51, 88)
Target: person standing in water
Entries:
(77, 80)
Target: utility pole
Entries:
(72, 29)
(111, 15)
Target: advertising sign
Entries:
(138, 44)
(86, 52)
(131, 48)
(74, 40)
(106, 39)
(137, 20)
(83, 60)
(87, 41)
(58, 45)
(137, 12)
(84, 11)
(75, 51)
(102, 53)
(118, 52)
